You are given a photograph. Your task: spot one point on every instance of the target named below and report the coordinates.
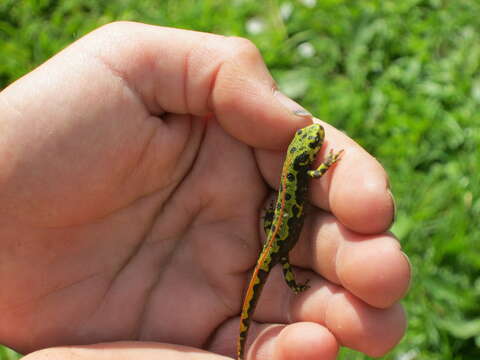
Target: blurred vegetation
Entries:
(400, 77)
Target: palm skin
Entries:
(133, 214)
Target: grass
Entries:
(400, 77)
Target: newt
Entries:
(284, 220)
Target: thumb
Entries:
(124, 350)
(187, 72)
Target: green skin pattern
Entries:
(283, 221)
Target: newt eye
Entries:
(314, 144)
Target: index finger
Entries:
(356, 190)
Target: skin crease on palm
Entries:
(135, 166)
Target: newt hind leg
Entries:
(290, 277)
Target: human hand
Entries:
(134, 167)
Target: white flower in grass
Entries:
(409, 355)
(255, 26)
(309, 3)
(306, 50)
(286, 10)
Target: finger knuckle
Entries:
(243, 48)
(116, 26)
(117, 29)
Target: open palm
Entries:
(132, 184)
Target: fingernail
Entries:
(394, 205)
(291, 105)
(410, 269)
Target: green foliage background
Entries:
(400, 77)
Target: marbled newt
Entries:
(283, 222)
